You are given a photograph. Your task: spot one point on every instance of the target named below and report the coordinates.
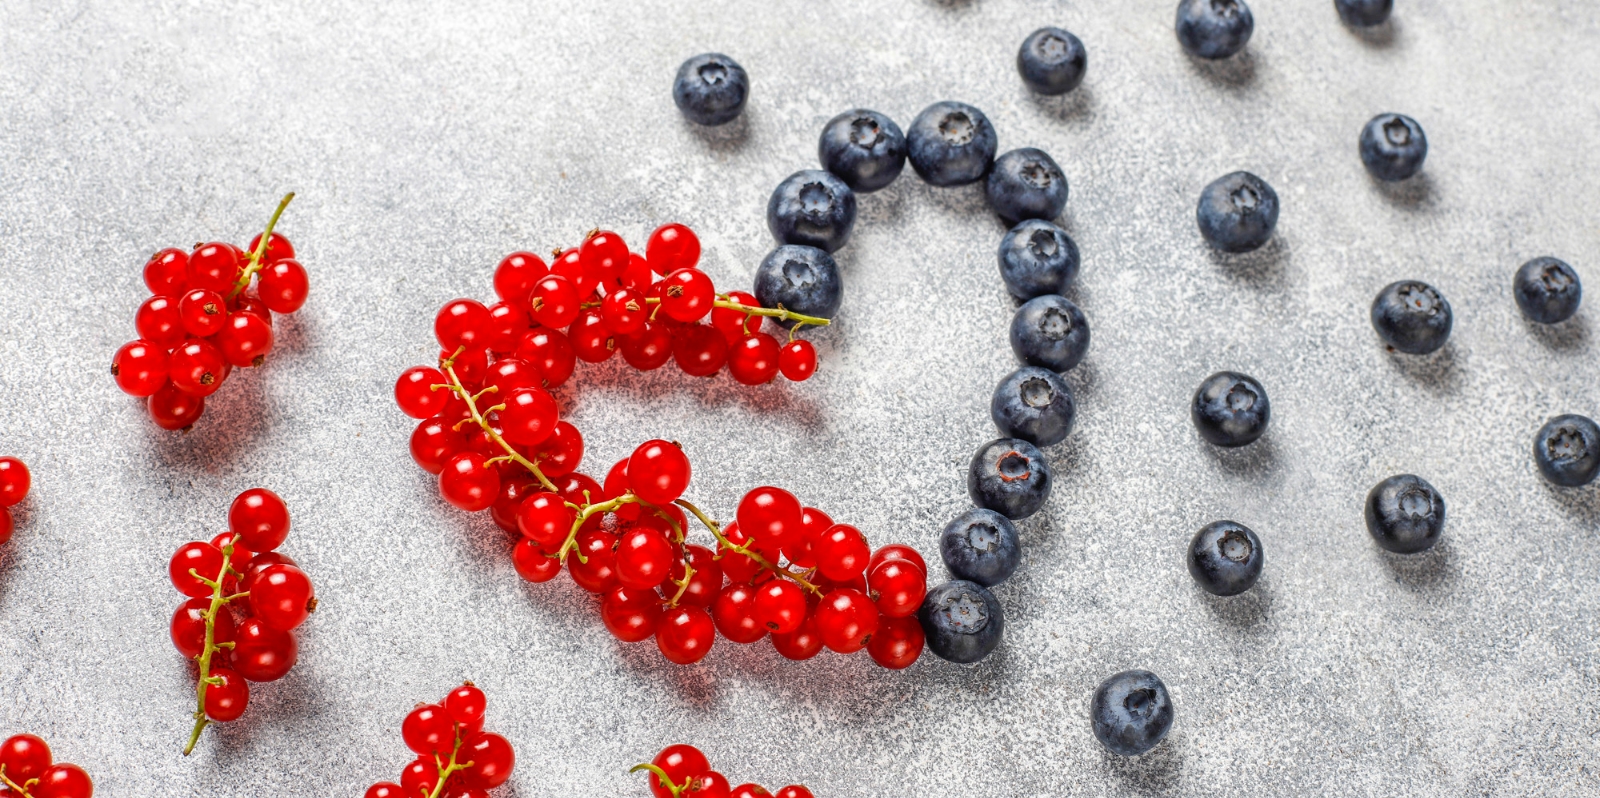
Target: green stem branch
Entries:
(258, 257)
(218, 603)
(661, 775)
(455, 385)
(724, 543)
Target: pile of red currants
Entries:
(14, 484)
(681, 771)
(204, 318)
(26, 772)
(456, 758)
(239, 569)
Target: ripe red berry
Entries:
(244, 340)
(202, 312)
(685, 635)
(738, 567)
(506, 326)
(780, 606)
(801, 644)
(515, 276)
(65, 780)
(262, 653)
(491, 757)
(140, 368)
(284, 286)
(750, 791)
(385, 789)
(421, 777)
(434, 442)
(772, 517)
(672, 247)
(706, 581)
(842, 553)
(846, 619)
(554, 302)
(203, 559)
(545, 519)
(604, 256)
(214, 266)
(561, 453)
(699, 350)
(278, 247)
(658, 472)
(188, 627)
(532, 564)
(160, 322)
(631, 615)
(226, 701)
(466, 705)
(687, 295)
(799, 548)
(415, 394)
(754, 360)
(578, 488)
(734, 612)
(793, 791)
(25, 757)
(599, 574)
(897, 587)
(569, 264)
(468, 482)
(259, 563)
(462, 322)
(173, 409)
(591, 340)
(649, 348)
(897, 551)
(471, 366)
(797, 360)
(281, 597)
(260, 519)
(897, 643)
(508, 374)
(550, 353)
(529, 416)
(251, 303)
(734, 324)
(428, 730)
(708, 784)
(644, 558)
(624, 311)
(167, 272)
(196, 368)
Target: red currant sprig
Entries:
(682, 771)
(203, 319)
(478, 760)
(14, 483)
(272, 592)
(26, 771)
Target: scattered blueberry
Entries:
(802, 279)
(951, 144)
(1230, 409)
(1412, 317)
(1225, 558)
(1033, 404)
(1238, 212)
(981, 546)
(1009, 476)
(1131, 712)
(1026, 184)
(1547, 290)
(711, 89)
(1567, 450)
(812, 208)
(1393, 147)
(1405, 514)
(1037, 258)
(962, 621)
(1214, 28)
(1364, 13)
(864, 148)
(1052, 61)
(1050, 332)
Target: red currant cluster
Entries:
(239, 569)
(14, 484)
(203, 319)
(681, 771)
(26, 772)
(478, 761)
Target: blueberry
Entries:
(1225, 558)
(1131, 712)
(1567, 450)
(951, 144)
(1230, 409)
(711, 89)
(962, 621)
(1238, 212)
(1393, 147)
(1405, 514)
(1214, 28)
(864, 148)
(1033, 404)
(1037, 258)
(1026, 184)
(1050, 332)
(802, 279)
(1547, 290)
(1009, 476)
(981, 546)
(1412, 317)
(1052, 61)
(812, 208)
(1363, 13)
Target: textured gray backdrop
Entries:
(427, 139)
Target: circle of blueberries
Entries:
(948, 144)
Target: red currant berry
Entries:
(772, 517)
(15, 480)
(599, 574)
(554, 301)
(738, 567)
(532, 564)
(226, 701)
(173, 409)
(780, 606)
(649, 348)
(734, 324)
(203, 559)
(798, 548)
(428, 730)
(631, 615)
(284, 286)
(591, 339)
(897, 587)
(259, 563)
(672, 247)
(624, 311)
(734, 612)
(801, 644)
(685, 635)
(462, 322)
(687, 295)
(846, 620)
(140, 368)
(241, 554)
(644, 558)
(506, 326)
(251, 303)
(471, 367)
(680, 763)
(262, 653)
(160, 322)
(637, 277)
(25, 757)
(202, 312)
(434, 442)
(278, 247)
(196, 368)
(189, 627)
(415, 394)
(897, 643)
(214, 266)
(616, 485)
(561, 453)
(897, 551)
(578, 489)
(551, 353)
(793, 791)
(421, 778)
(605, 257)
(65, 780)
(281, 597)
(750, 791)
(754, 360)
(491, 760)
(658, 472)
(797, 361)
(245, 340)
(385, 789)
(508, 374)
(468, 482)
(167, 272)
(842, 553)
(545, 519)
(699, 350)
(515, 488)
(515, 277)
(706, 581)
(569, 264)
(708, 784)
(529, 416)
(260, 519)
(466, 705)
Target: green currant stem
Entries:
(455, 385)
(218, 602)
(257, 258)
(683, 584)
(799, 579)
(666, 781)
(20, 790)
(446, 770)
(584, 513)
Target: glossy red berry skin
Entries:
(846, 620)
(462, 322)
(576, 486)
(644, 558)
(420, 778)
(262, 653)
(592, 340)
(167, 272)
(545, 519)
(532, 564)
(204, 559)
(414, 392)
(658, 472)
(898, 551)
(897, 587)
(468, 483)
(754, 360)
(140, 368)
(706, 581)
(188, 627)
(506, 375)
(842, 553)
(214, 266)
(160, 322)
(281, 597)
(793, 791)
(897, 643)
(471, 366)
(506, 326)
(202, 312)
(630, 614)
(227, 701)
(772, 517)
(780, 606)
(685, 635)
(797, 361)
(515, 277)
(64, 780)
(428, 730)
(672, 247)
(699, 350)
(734, 324)
(649, 348)
(708, 784)
(434, 442)
(561, 453)
(173, 409)
(624, 311)
(245, 340)
(550, 353)
(604, 256)
(25, 757)
(687, 295)
(260, 519)
(491, 757)
(466, 705)
(278, 247)
(385, 789)
(196, 368)
(251, 303)
(801, 644)
(750, 791)
(680, 763)
(599, 574)
(736, 566)
(799, 548)
(734, 613)
(529, 416)
(259, 563)
(554, 302)
(569, 264)
(284, 286)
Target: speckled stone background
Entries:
(427, 139)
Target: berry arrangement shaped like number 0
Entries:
(26, 771)
(456, 758)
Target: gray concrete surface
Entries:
(427, 139)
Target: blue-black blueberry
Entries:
(1237, 212)
(1393, 147)
(951, 144)
(1230, 409)
(1225, 558)
(962, 621)
(1052, 61)
(1026, 183)
(1567, 450)
(812, 208)
(1364, 13)
(864, 148)
(1214, 29)
(1009, 476)
(1131, 712)
(1037, 258)
(981, 546)
(1547, 290)
(1050, 332)
(1412, 317)
(711, 89)
(1033, 404)
(802, 279)
(1405, 514)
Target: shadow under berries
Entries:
(1440, 372)
(1571, 335)
(1263, 269)
(1416, 194)
(1429, 570)
(1236, 73)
